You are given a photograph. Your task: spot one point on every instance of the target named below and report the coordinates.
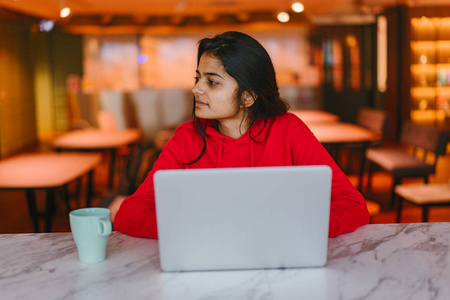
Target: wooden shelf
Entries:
(430, 68)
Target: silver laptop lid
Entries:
(243, 218)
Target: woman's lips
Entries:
(200, 104)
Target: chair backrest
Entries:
(147, 111)
(373, 119)
(89, 106)
(113, 101)
(428, 138)
(290, 94)
(176, 107)
(131, 176)
(106, 120)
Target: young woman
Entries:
(240, 121)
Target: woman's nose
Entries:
(197, 90)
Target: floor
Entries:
(14, 216)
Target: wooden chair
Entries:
(129, 179)
(373, 208)
(375, 120)
(424, 195)
(114, 102)
(147, 112)
(407, 161)
(142, 159)
(106, 120)
(176, 107)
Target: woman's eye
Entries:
(209, 81)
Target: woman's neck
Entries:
(234, 129)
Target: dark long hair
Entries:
(246, 60)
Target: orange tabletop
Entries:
(48, 171)
(335, 133)
(45, 170)
(94, 139)
(98, 140)
(315, 116)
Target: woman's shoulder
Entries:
(186, 126)
(288, 124)
(184, 141)
(288, 119)
(185, 132)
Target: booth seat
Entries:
(151, 110)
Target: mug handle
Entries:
(105, 227)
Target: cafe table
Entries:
(335, 136)
(46, 171)
(343, 133)
(315, 116)
(377, 261)
(98, 140)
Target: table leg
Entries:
(362, 167)
(112, 164)
(335, 153)
(32, 209)
(338, 154)
(425, 210)
(399, 209)
(89, 188)
(332, 150)
(49, 208)
(67, 198)
(77, 191)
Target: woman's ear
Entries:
(248, 98)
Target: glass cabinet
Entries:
(430, 69)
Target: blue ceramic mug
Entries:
(91, 228)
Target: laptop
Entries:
(243, 218)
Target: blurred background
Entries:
(333, 55)
(62, 62)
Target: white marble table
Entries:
(377, 261)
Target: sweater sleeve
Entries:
(137, 214)
(348, 208)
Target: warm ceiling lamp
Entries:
(283, 17)
(65, 10)
(298, 7)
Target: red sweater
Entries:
(282, 141)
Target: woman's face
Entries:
(215, 92)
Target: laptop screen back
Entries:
(243, 218)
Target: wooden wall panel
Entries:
(17, 109)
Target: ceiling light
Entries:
(46, 25)
(298, 7)
(283, 17)
(65, 10)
